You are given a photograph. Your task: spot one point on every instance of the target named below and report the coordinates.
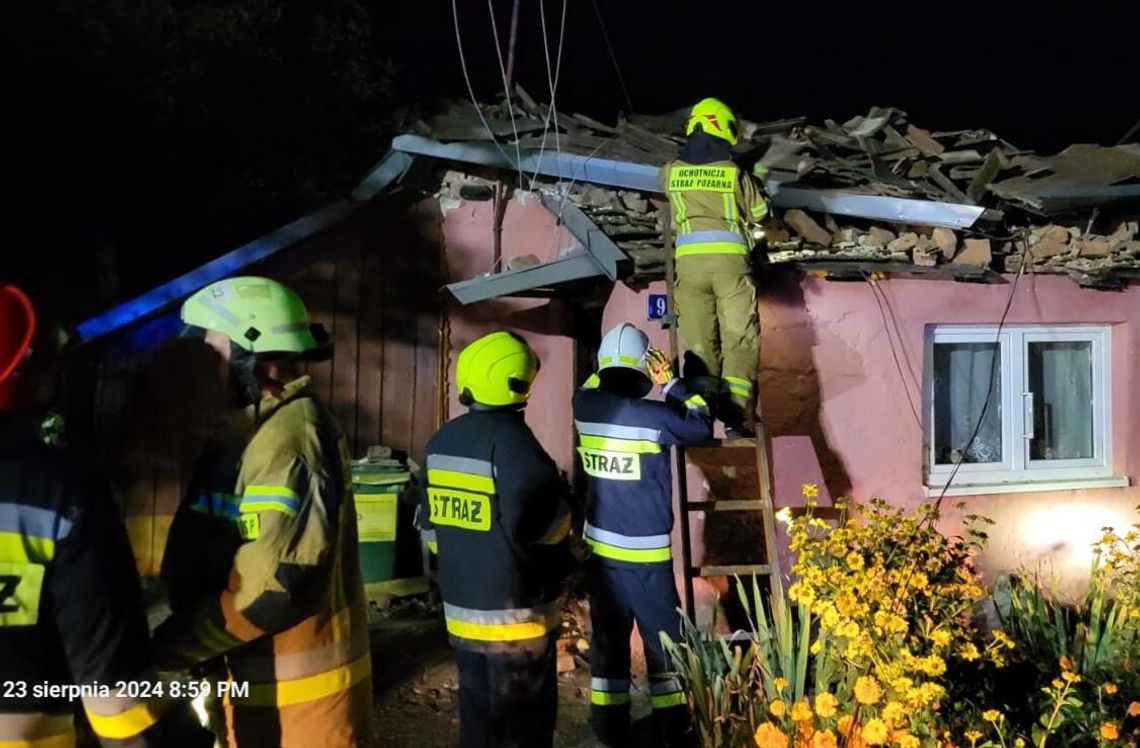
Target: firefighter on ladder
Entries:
(498, 508)
(291, 619)
(70, 605)
(713, 203)
(623, 444)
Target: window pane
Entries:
(1060, 378)
(963, 372)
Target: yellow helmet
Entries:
(496, 370)
(714, 118)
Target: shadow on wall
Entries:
(789, 383)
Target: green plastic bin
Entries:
(377, 488)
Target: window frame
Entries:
(1017, 469)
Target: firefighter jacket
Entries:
(623, 447)
(712, 205)
(499, 510)
(291, 619)
(70, 607)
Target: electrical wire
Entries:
(552, 82)
(471, 89)
(877, 292)
(613, 57)
(506, 90)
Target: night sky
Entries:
(88, 162)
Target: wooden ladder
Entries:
(740, 489)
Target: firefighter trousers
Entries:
(715, 298)
(508, 699)
(619, 597)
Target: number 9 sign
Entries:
(658, 306)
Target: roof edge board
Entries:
(576, 266)
(609, 256)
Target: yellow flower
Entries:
(1019, 743)
(854, 561)
(906, 740)
(845, 724)
(992, 715)
(1110, 688)
(780, 683)
(769, 736)
(941, 637)
(801, 712)
(1004, 639)
(894, 713)
(1134, 709)
(934, 665)
(777, 708)
(969, 652)
(816, 647)
(809, 490)
(867, 690)
(1070, 677)
(1108, 731)
(1058, 683)
(875, 732)
(824, 739)
(825, 705)
(973, 735)
(1066, 663)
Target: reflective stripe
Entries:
(127, 723)
(269, 499)
(25, 549)
(729, 210)
(609, 684)
(290, 327)
(605, 698)
(759, 210)
(645, 549)
(697, 403)
(738, 386)
(217, 504)
(634, 542)
(712, 248)
(605, 360)
(36, 729)
(301, 690)
(616, 431)
(664, 686)
(632, 361)
(668, 701)
(501, 625)
(592, 382)
(33, 520)
(433, 546)
(628, 446)
(462, 480)
(219, 309)
(461, 465)
(336, 644)
(706, 237)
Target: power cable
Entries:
(613, 57)
(878, 292)
(471, 89)
(506, 90)
(552, 82)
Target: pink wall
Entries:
(828, 373)
(528, 228)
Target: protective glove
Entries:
(660, 367)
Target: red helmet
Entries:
(17, 328)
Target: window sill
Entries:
(966, 489)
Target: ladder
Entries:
(740, 487)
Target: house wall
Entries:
(828, 372)
(528, 228)
(372, 281)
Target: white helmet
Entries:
(624, 347)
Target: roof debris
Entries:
(1072, 213)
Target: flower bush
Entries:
(879, 642)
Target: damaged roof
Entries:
(876, 192)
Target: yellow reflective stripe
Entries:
(633, 555)
(606, 698)
(712, 248)
(129, 723)
(738, 385)
(680, 213)
(466, 481)
(269, 499)
(65, 740)
(760, 209)
(433, 546)
(730, 211)
(301, 690)
(592, 382)
(27, 549)
(666, 701)
(502, 632)
(629, 446)
(631, 360)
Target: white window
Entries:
(1044, 393)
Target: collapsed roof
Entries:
(876, 193)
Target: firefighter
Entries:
(623, 444)
(714, 202)
(499, 511)
(70, 605)
(290, 621)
